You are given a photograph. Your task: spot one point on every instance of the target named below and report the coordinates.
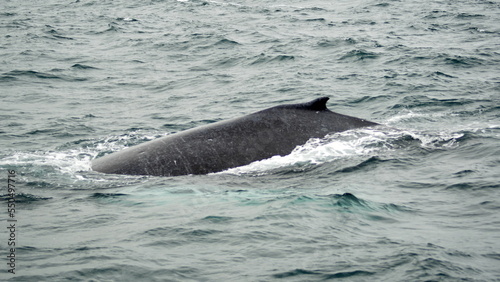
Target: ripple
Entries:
(359, 55)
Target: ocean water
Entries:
(415, 200)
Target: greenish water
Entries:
(416, 200)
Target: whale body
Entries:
(231, 143)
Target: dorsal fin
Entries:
(318, 104)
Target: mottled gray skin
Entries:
(232, 143)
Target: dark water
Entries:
(417, 200)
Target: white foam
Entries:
(72, 161)
(409, 115)
(364, 142)
(321, 150)
(64, 161)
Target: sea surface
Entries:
(417, 199)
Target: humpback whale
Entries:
(231, 143)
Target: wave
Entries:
(369, 146)
(47, 162)
(83, 67)
(24, 198)
(71, 159)
(263, 59)
(321, 275)
(359, 55)
(31, 74)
